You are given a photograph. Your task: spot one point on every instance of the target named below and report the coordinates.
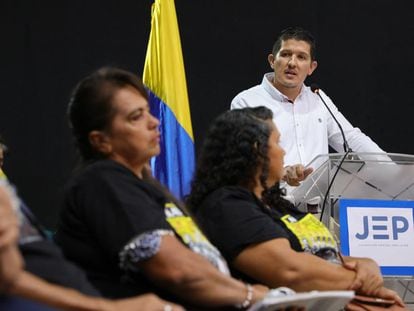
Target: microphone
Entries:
(315, 89)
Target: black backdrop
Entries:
(365, 54)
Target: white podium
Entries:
(384, 176)
(378, 176)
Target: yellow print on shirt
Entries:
(183, 225)
(191, 235)
(311, 233)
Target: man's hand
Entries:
(294, 174)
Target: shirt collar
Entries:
(274, 92)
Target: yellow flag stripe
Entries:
(164, 71)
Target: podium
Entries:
(383, 176)
(378, 176)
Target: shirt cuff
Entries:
(142, 247)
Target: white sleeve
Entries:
(238, 102)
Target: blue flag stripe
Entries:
(174, 165)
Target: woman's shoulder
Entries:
(103, 167)
(107, 175)
(102, 170)
(230, 193)
(227, 198)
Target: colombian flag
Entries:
(164, 77)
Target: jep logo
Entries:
(379, 230)
(382, 227)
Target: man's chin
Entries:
(291, 85)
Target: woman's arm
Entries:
(11, 263)
(194, 279)
(275, 263)
(34, 288)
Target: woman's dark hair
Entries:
(235, 147)
(90, 107)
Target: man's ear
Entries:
(271, 60)
(100, 142)
(313, 66)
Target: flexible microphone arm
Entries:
(315, 89)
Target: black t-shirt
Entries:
(234, 218)
(104, 208)
(44, 259)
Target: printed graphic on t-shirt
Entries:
(313, 236)
(191, 235)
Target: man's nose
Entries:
(292, 61)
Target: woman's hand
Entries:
(368, 278)
(147, 302)
(389, 294)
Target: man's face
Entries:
(292, 64)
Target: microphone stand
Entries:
(331, 183)
(346, 146)
(347, 150)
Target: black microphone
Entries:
(315, 89)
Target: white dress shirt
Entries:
(306, 126)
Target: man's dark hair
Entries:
(296, 33)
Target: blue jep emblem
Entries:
(381, 230)
(379, 226)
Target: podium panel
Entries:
(382, 176)
(380, 229)
(374, 176)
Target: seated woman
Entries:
(117, 222)
(47, 279)
(236, 200)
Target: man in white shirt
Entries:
(306, 127)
